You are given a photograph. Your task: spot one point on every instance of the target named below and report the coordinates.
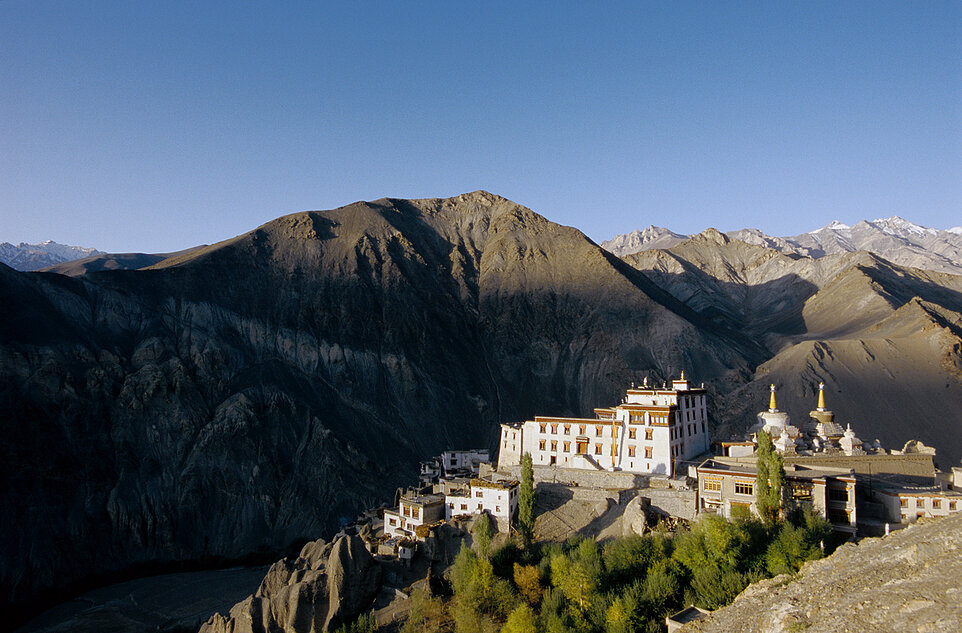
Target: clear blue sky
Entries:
(157, 125)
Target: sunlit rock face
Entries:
(252, 394)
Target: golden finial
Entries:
(682, 374)
(821, 396)
(771, 402)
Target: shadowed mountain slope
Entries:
(248, 395)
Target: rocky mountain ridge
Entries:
(36, 256)
(246, 396)
(897, 240)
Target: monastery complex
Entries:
(657, 437)
(662, 432)
(648, 433)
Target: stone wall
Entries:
(572, 477)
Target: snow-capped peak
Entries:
(956, 229)
(899, 227)
(834, 225)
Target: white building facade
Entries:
(498, 499)
(411, 512)
(650, 432)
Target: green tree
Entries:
(482, 533)
(771, 478)
(526, 499)
(577, 574)
(521, 620)
(426, 614)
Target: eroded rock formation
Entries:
(327, 585)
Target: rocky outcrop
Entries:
(327, 585)
(910, 580)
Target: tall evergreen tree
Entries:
(771, 479)
(526, 499)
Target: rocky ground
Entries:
(910, 580)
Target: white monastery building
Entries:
(499, 499)
(649, 433)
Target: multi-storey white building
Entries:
(412, 511)
(649, 432)
(497, 498)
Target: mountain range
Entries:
(897, 240)
(246, 397)
(36, 256)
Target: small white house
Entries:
(499, 499)
(413, 510)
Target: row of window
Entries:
(464, 506)
(920, 503)
(599, 448)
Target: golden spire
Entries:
(682, 374)
(821, 396)
(771, 401)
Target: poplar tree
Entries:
(526, 499)
(771, 477)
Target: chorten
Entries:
(851, 444)
(775, 423)
(822, 421)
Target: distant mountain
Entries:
(36, 256)
(113, 261)
(652, 237)
(882, 337)
(897, 240)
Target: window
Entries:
(567, 428)
(597, 449)
(480, 507)
(598, 430)
(392, 521)
(407, 511)
(541, 445)
(631, 451)
(648, 452)
(649, 434)
(478, 493)
(936, 503)
(567, 447)
(581, 429)
(554, 445)
(631, 434)
(952, 506)
(451, 505)
(702, 427)
(554, 429)
(838, 516)
(743, 488)
(544, 426)
(903, 502)
(919, 503)
(712, 485)
(464, 506)
(838, 494)
(497, 508)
